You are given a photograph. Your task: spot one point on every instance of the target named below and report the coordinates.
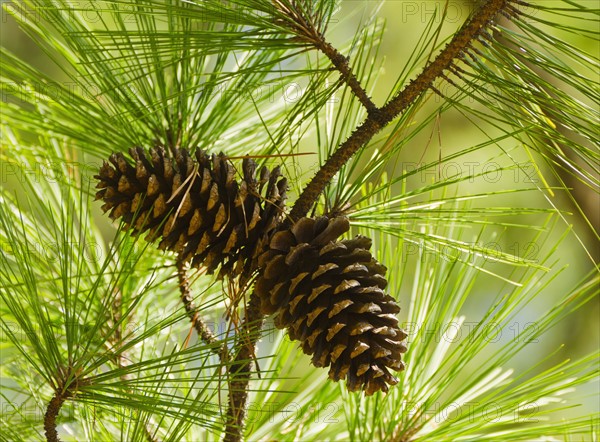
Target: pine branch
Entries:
(51, 414)
(240, 369)
(62, 392)
(342, 65)
(380, 118)
(178, 413)
(308, 31)
(376, 120)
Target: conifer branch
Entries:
(347, 76)
(379, 118)
(51, 414)
(62, 392)
(240, 370)
(307, 31)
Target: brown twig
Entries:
(65, 388)
(379, 118)
(240, 370)
(307, 31)
(204, 332)
(342, 64)
(52, 411)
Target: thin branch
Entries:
(240, 369)
(342, 65)
(306, 30)
(204, 332)
(52, 411)
(62, 392)
(378, 119)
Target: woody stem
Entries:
(377, 119)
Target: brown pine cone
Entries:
(330, 295)
(194, 205)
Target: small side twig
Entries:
(342, 64)
(240, 370)
(307, 31)
(379, 118)
(204, 332)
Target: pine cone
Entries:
(330, 295)
(194, 205)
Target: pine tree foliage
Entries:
(96, 342)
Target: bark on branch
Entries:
(240, 370)
(308, 31)
(52, 411)
(379, 118)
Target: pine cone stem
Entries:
(241, 368)
(203, 330)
